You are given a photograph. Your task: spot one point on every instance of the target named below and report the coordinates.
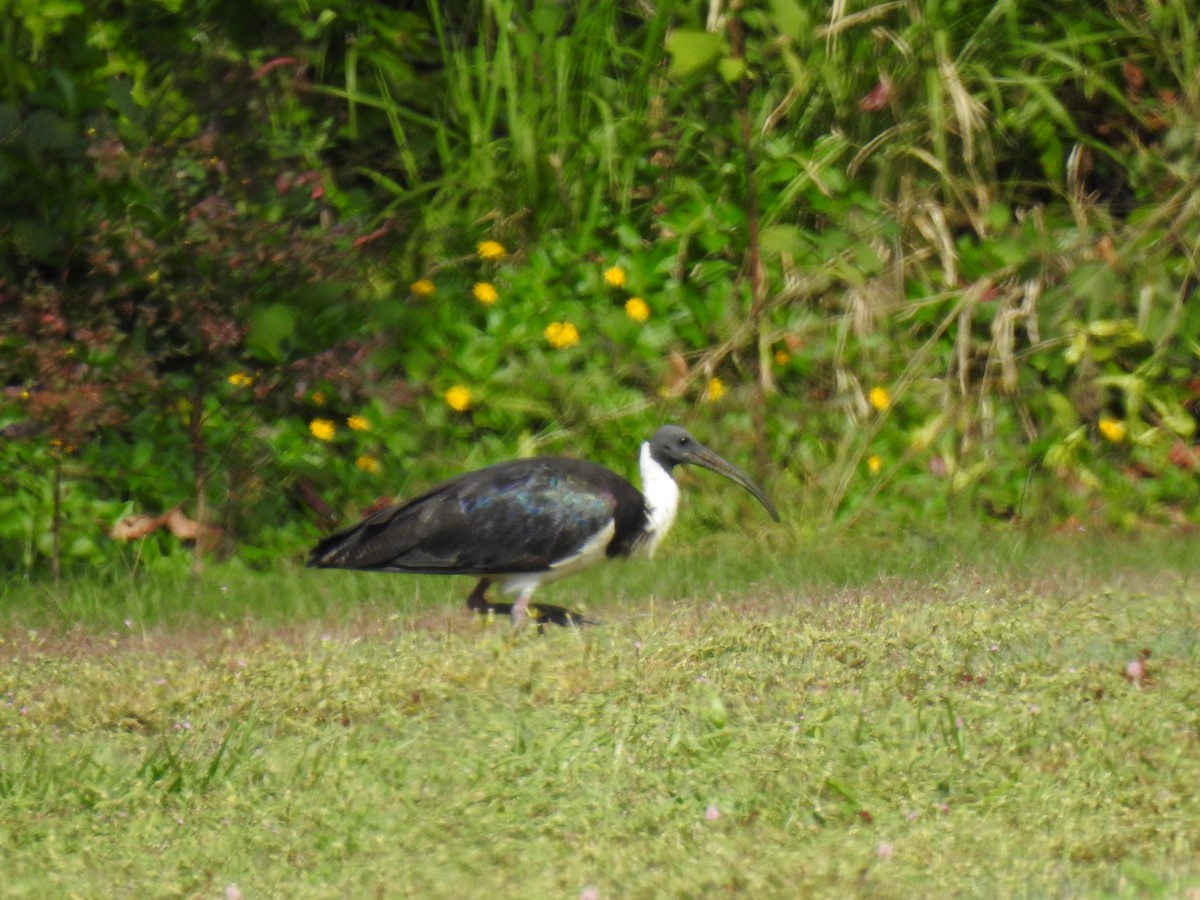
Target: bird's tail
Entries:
(340, 550)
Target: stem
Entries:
(56, 521)
(199, 475)
(763, 383)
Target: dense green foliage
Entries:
(1010, 722)
(925, 259)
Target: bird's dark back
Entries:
(518, 516)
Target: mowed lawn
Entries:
(1008, 715)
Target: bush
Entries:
(276, 265)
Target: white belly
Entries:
(584, 558)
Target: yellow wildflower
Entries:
(318, 398)
(240, 379)
(637, 309)
(422, 287)
(782, 358)
(615, 276)
(458, 398)
(491, 250)
(485, 293)
(879, 398)
(874, 463)
(322, 429)
(714, 390)
(1112, 429)
(358, 423)
(368, 464)
(562, 335)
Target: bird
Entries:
(527, 522)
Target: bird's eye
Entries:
(683, 441)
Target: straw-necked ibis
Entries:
(528, 522)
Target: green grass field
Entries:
(851, 719)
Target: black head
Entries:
(672, 446)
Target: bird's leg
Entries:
(520, 608)
(476, 601)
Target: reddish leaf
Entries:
(186, 529)
(878, 96)
(1135, 78)
(1183, 456)
(380, 503)
(374, 235)
(273, 64)
(990, 293)
(1107, 251)
(133, 527)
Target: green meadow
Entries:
(993, 715)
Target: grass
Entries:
(847, 718)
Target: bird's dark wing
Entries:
(520, 516)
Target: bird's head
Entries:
(672, 446)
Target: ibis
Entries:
(528, 522)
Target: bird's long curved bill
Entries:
(704, 457)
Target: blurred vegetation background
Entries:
(264, 264)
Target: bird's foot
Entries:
(558, 615)
(540, 614)
(522, 609)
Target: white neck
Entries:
(662, 497)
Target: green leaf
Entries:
(1009, 251)
(731, 68)
(60, 9)
(1062, 410)
(36, 240)
(269, 328)
(547, 19)
(964, 478)
(10, 121)
(692, 50)
(778, 239)
(998, 216)
(1114, 328)
(790, 18)
(82, 546)
(1174, 416)
(867, 259)
(45, 130)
